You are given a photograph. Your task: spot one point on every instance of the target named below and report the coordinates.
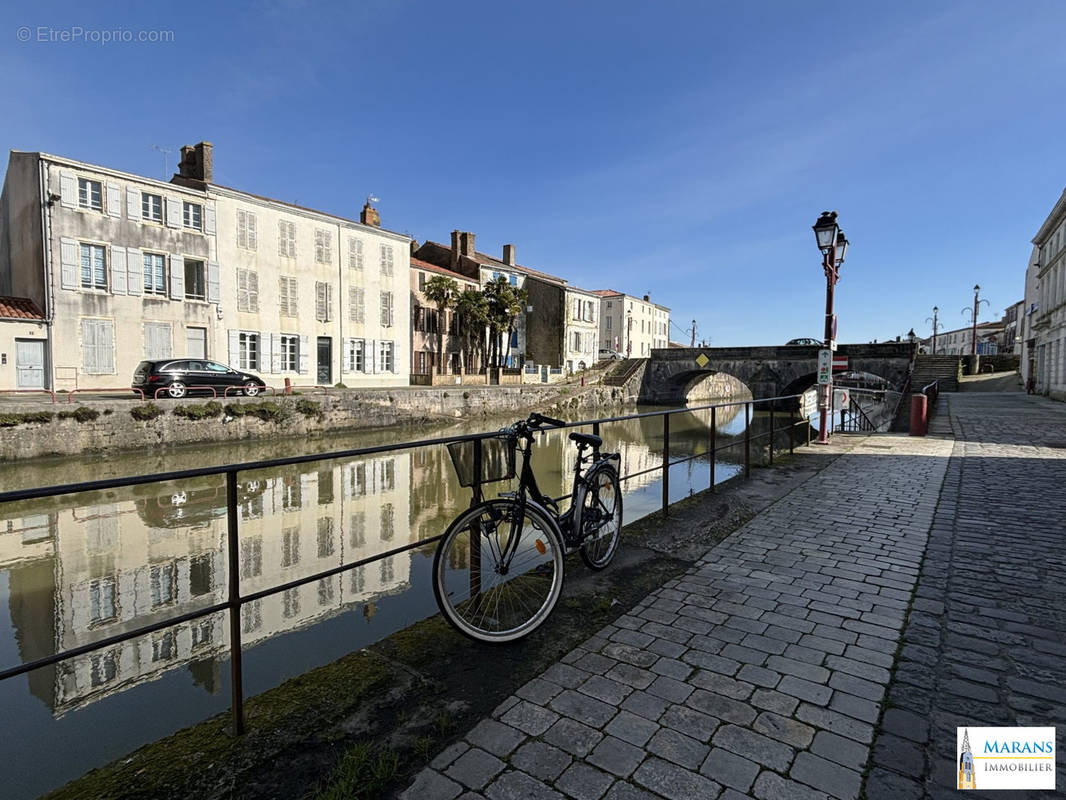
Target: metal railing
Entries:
(235, 600)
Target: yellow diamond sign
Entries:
(702, 360)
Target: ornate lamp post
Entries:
(933, 319)
(834, 245)
(973, 313)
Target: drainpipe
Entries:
(49, 287)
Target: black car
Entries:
(182, 376)
(805, 342)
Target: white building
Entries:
(127, 268)
(581, 333)
(1046, 351)
(632, 326)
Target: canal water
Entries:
(78, 568)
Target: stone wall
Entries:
(115, 429)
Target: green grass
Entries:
(146, 412)
(364, 771)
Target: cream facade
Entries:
(1048, 320)
(23, 352)
(581, 333)
(127, 268)
(632, 326)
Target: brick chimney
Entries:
(508, 255)
(455, 251)
(369, 215)
(647, 298)
(196, 162)
(414, 246)
(466, 244)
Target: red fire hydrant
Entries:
(919, 409)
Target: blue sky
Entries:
(679, 148)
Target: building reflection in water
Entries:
(143, 554)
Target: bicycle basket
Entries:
(497, 460)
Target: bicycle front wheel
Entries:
(601, 517)
(490, 591)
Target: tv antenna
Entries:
(166, 152)
(370, 199)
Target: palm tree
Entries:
(472, 309)
(441, 291)
(517, 303)
(499, 296)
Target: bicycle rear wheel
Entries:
(601, 517)
(479, 594)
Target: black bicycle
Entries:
(498, 570)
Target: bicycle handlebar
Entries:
(540, 419)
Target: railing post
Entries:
(714, 442)
(792, 431)
(771, 432)
(666, 465)
(596, 432)
(747, 440)
(236, 670)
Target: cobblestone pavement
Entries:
(761, 672)
(985, 643)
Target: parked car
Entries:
(182, 376)
(607, 354)
(806, 341)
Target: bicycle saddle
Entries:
(586, 439)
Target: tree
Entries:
(472, 311)
(441, 291)
(505, 304)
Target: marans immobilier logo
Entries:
(1006, 758)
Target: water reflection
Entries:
(81, 568)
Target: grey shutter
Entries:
(266, 359)
(305, 355)
(234, 349)
(133, 204)
(68, 257)
(68, 190)
(177, 277)
(118, 270)
(173, 211)
(209, 219)
(253, 233)
(105, 347)
(213, 293)
(370, 355)
(275, 350)
(346, 348)
(88, 345)
(134, 270)
(114, 200)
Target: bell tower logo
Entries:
(1005, 758)
(966, 776)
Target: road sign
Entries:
(825, 366)
(840, 363)
(840, 399)
(809, 403)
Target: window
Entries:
(388, 522)
(93, 267)
(90, 194)
(358, 580)
(386, 474)
(290, 353)
(325, 537)
(355, 356)
(201, 575)
(246, 230)
(248, 350)
(195, 280)
(252, 616)
(155, 274)
(202, 632)
(290, 602)
(290, 547)
(323, 301)
(98, 346)
(386, 309)
(355, 253)
(152, 207)
(323, 246)
(385, 360)
(287, 239)
(387, 571)
(325, 591)
(164, 646)
(104, 668)
(609, 322)
(356, 304)
(164, 583)
(325, 490)
(103, 600)
(193, 215)
(386, 260)
(287, 297)
(291, 494)
(357, 529)
(247, 290)
(512, 279)
(157, 340)
(251, 557)
(421, 281)
(577, 341)
(252, 507)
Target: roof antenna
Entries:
(165, 153)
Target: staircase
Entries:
(943, 369)
(623, 371)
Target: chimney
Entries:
(369, 215)
(647, 298)
(508, 255)
(196, 162)
(466, 244)
(414, 246)
(455, 251)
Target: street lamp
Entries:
(911, 337)
(933, 319)
(834, 246)
(973, 313)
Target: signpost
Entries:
(840, 363)
(840, 399)
(825, 366)
(809, 404)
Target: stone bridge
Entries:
(673, 373)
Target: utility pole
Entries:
(693, 333)
(935, 312)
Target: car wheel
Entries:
(177, 390)
(251, 389)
